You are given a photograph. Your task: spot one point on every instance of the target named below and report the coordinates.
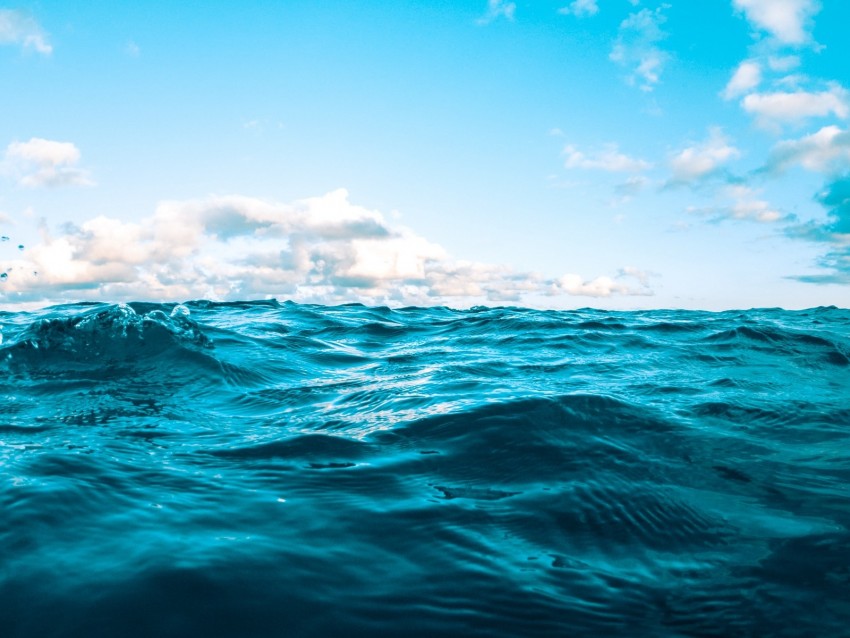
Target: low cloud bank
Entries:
(322, 249)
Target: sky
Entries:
(619, 154)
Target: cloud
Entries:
(740, 203)
(631, 187)
(745, 78)
(496, 9)
(788, 21)
(783, 64)
(322, 249)
(642, 276)
(700, 161)
(599, 287)
(834, 231)
(41, 162)
(636, 47)
(607, 159)
(825, 151)
(781, 107)
(17, 27)
(580, 8)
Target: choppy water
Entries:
(259, 469)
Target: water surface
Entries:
(265, 469)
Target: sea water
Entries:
(266, 469)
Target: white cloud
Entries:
(580, 8)
(607, 159)
(496, 9)
(788, 21)
(641, 275)
(783, 64)
(637, 48)
(755, 210)
(601, 286)
(779, 107)
(41, 162)
(702, 160)
(631, 187)
(322, 249)
(826, 151)
(745, 78)
(16, 27)
(742, 204)
(132, 49)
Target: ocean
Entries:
(276, 469)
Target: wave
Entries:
(104, 336)
(256, 467)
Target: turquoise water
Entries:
(265, 469)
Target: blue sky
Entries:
(608, 153)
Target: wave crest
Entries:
(108, 335)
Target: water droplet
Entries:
(4, 276)
(20, 246)
(4, 238)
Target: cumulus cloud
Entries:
(496, 9)
(608, 159)
(788, 21)
(17, 27)
(702, 160)
(825, 151)
(745, 78)
(636, 47)
(322, 249)
(580, 8)
(783, 107)
(41, 162)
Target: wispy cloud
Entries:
(631, 187)
(497, 9)
(636, 47)
(787, 21)
(772, 109)
(580, 8)
(599, 287)
(736, 202)
(44, 163)
(702, 160)
(825, 151)
(783, 63)
(745, 78)
(20, 28)
(609, 158)
(323, 249)
(834, 232)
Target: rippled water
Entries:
(265, 469)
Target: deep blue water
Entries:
(265, 469)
